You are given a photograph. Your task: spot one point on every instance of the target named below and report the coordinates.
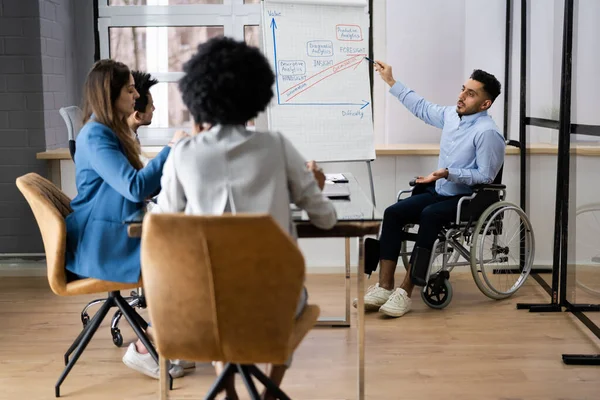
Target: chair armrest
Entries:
(304, 323)
(405, 191)
(489, 186)
(460, 203)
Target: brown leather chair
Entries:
(224, 288)
(50, 206)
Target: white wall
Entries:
(586, 64)
(433, 46)
(425, 47)
(484, 38)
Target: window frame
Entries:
(232, 15)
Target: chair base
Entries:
(136, 299)
(138, 324)
(246, 372)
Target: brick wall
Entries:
(38, 75)
(57, 38)
(21, 120)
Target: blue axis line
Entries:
(366, 103)
(273, 28)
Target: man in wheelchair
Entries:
(471, 153)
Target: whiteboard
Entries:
(322, 99)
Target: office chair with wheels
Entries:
(50, 206)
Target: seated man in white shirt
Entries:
(224, 167)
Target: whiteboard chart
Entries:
(322, 97)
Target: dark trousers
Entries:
(430, 210)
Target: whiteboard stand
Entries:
(371, 183)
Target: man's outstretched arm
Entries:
(429, 113)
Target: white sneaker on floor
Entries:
(397, 305)
(145, 364)
(184, 364)
(375, 297)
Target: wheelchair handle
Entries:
(513, 143)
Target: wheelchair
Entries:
(491, 235)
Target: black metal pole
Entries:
(522, 106)
(96, 33)
(507, 41)
(559, 205)
(371, 55)
(522, 125)
(564, 145)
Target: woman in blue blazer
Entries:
(110, 178)
(112, 183)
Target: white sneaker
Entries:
(397, 305)
(374, 298)
(184, 364)
(145, 364)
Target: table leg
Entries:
(345, 320)
(361, 319)
(347, 240)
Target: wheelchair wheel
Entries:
(502, 250)
(438, 292)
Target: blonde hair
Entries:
(101, 91)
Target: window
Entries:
(159, 36)
(251, 33)
(166, 2)
(163, 49)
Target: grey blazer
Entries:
(230, 168)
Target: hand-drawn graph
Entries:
(322, 90)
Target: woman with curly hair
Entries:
(224, 167)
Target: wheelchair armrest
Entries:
(416, 188)
(400, 193)
(489, 186)
(460, 204)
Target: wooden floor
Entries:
(475, 349)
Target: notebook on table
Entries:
(336, 190)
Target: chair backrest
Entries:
(222, 288)
(73, 117)
(50, 206)
(513, 143)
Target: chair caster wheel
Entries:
(117, 337)
(438, 292)
(85, 318)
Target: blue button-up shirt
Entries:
(471, 147)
